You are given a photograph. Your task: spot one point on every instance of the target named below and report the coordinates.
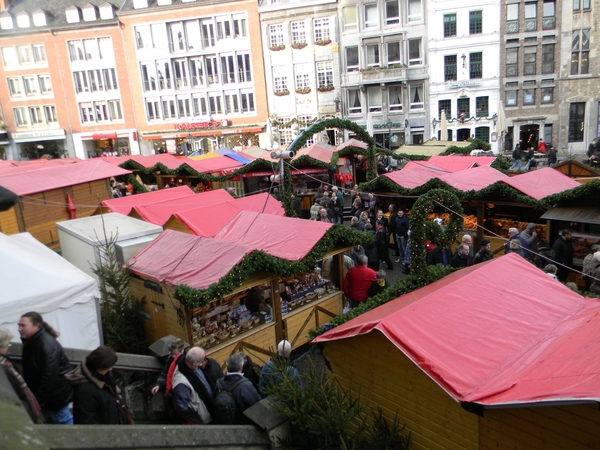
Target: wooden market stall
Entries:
(51, 192)
(500, 365)
(226, 296)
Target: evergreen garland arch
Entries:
(422, 229)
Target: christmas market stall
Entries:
(501, 364)
(257, 281)
(124, 205)
(51, 191)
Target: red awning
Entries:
(515, 338)
(123, 205)
(542, 182)
(459, 163)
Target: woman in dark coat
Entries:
(381, 241)
(96, 399)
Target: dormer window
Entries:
(6, 22)
(106, 11)
(139, 4)
(72, 13)
(89, 13)
(39, 18)
(23, 20)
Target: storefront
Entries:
(112, 143)
(40, 144)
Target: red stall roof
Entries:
(352, 143)
(319, 151)
(147, 162)
(214, 165)
(282, 237)
(415, 174)
(542, 182)
(458, 163)
(42, 178)
(473, 179)
(159, 212)
(518, 338)
(221, 214)
(124, 205)
(175, 258)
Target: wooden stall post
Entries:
(480, 211)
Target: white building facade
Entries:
(464, 64)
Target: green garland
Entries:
(259, 261)
(138, 188)
(474, 145)
(422, 229)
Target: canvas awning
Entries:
(541, 183)
(518, 338)
(124, 205)
(458, 163)
(580, 214)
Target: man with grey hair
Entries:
(269, 375)
(461, 258)
(235, 393)
(513, 233)
(191, 392)
(468, 240)
(358, 281)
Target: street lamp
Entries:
(389, 127)
(190, 142)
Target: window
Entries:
(446, 106)
(50, 113)
(232, 104)
(482, 133)
(475, 65)
(101, 111)
(512, 18)
(183, 106)
(475, 22)
(20, 117)
(199, 105)
(529, 93)
(243, 67)
(530, 16)
(76, 51)
(106, 48)
(529, 61)
(416, 96)
(109, 76)
(580, 45)
(392, 12)
(301, 72)
(463, 107)
(321, 29)
(208, 33)
(30, 85)
(223, 27)
(276, 35)
(352, 64)
(239, 26)
(212, 71)
(9, 57)
(414, 52)
(152, 109)
(512, 62)
(374, 99)
(576, 121)
(247, 101)
(324, 74)
(449, 67)
(548, 133)
(414, 11)
(81, 82)
(511, 94)
(45, 84)
(168, 108)
(39, 53)
(86, 112)
(303, 122)
(285, 133)
(548, 13)
(92, 51)
(354, 106)
(395, 97)
(280, 79)
(95, 79)
(449, 25)
(350, 18)
(547, 95)
(482, 106)
(371, 16)
(577, 4)
(14, 86)
(298, 32)
(192, 34)
(114, 110)
(393, 53)
(548, 58)
(24, 53)
(227, 69)
(373, 55)
(143, 37)
(35, 115)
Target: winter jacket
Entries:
(482, 256)
(244, 394)
(402, 226)
(95, 398)
(527, 235)
(371, 250)
(44, 367)
(545, 256)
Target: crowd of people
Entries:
(195, 389)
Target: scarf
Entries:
(29, 401)
(196, 384)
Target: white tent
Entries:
(35, 278)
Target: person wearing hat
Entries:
(484, 253)
(269, 375)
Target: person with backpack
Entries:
(235, 394)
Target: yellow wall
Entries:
(389, 380)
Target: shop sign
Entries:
(462, 84)
(197, 125)
(99, 136)
(38, 134)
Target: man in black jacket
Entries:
(44, 367)
(563, 254)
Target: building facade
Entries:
(530, 71)
(464, 41)
(579, 108)
(384, 80)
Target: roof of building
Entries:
(518, 338)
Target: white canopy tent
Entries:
(35, 278)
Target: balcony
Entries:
(383, 73)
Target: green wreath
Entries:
(422, 229)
